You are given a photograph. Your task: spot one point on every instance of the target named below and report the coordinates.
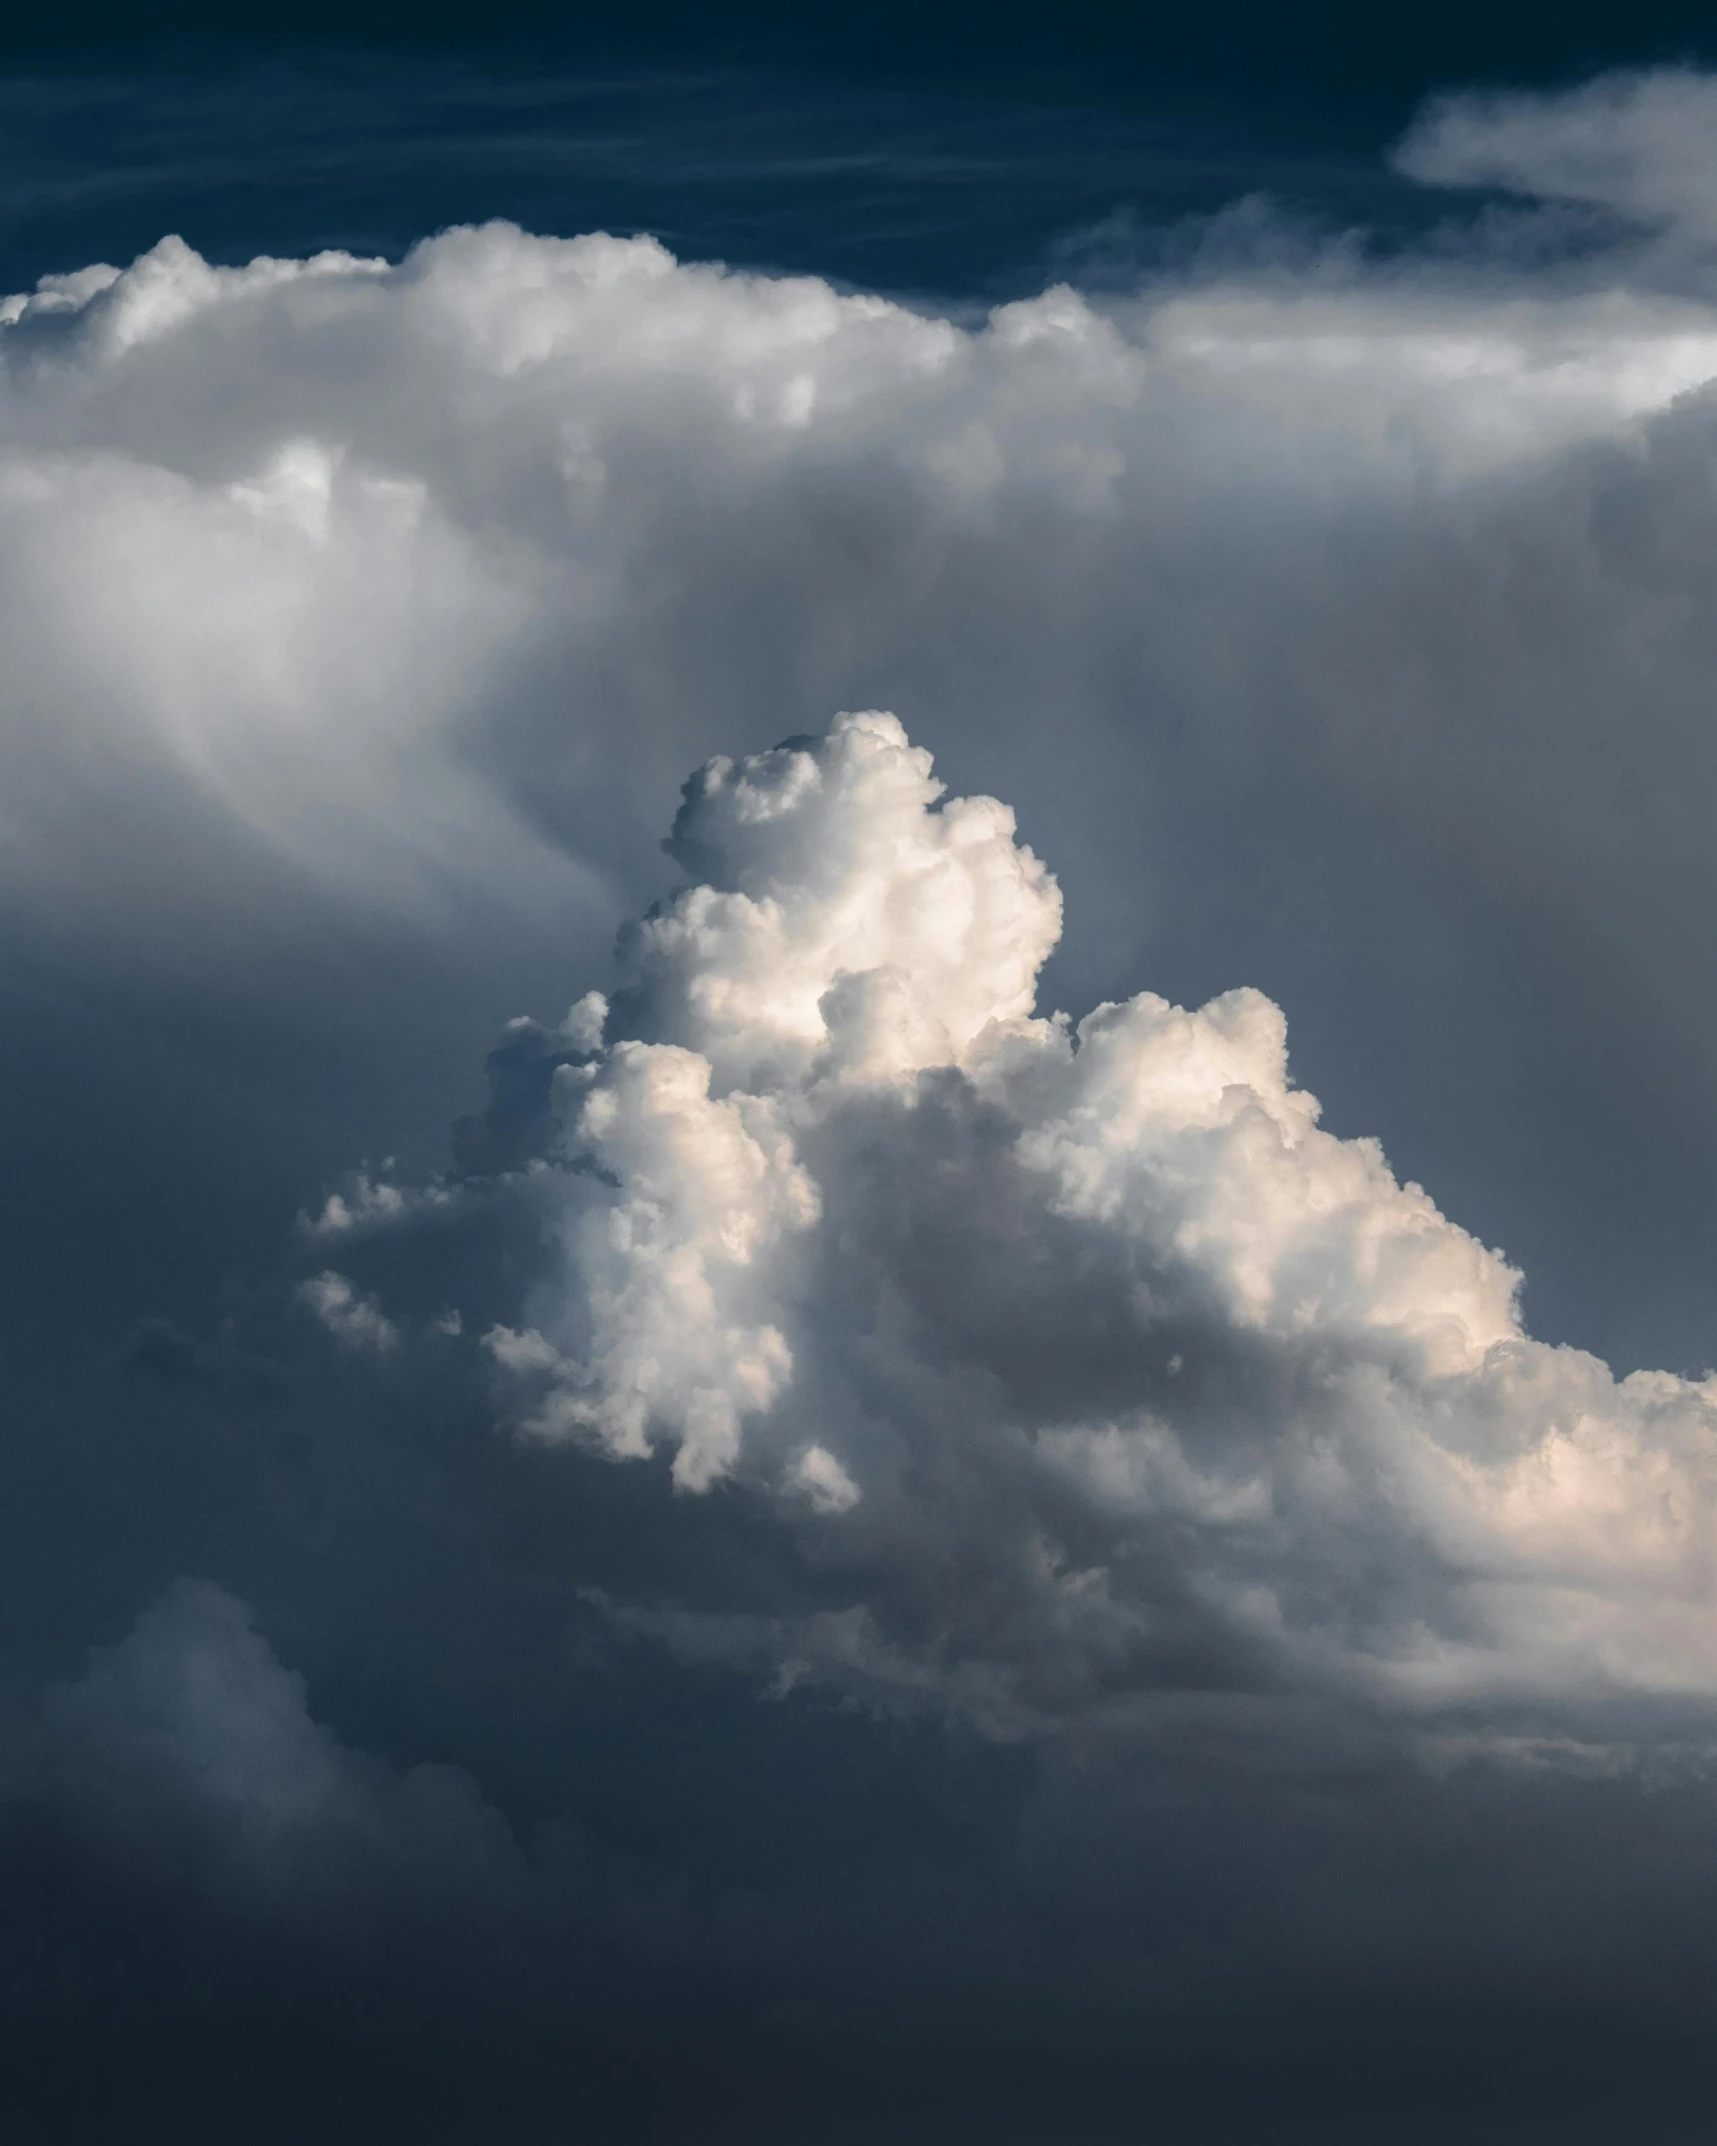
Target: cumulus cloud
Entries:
(1100, 1363)
(351, 1318)
(369, 1203)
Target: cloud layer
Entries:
(428, 578)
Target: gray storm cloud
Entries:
(190, 1733)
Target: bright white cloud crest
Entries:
(1100, 1320)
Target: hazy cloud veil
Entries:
(1009, 1388)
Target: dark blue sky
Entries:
(957, 150)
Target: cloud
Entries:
(354, 608)
(408, 583)
(1106, 1365)
(1638, 142)
(345, 598)
(819, 1478)
(189, 1744)
(346, 1315)
(194, 1698)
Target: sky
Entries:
(856, 1070)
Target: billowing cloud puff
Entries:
(825, 870)
(846, 934)
(1098, 1365)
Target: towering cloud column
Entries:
(1093, 1360)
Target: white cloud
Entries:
(371, 1203)
(823, 870)
(822, 1482)
(417, 587)
(349, 1317)
(1131, 1361)
(682, 1272)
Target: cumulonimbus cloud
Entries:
(1086, 1362)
